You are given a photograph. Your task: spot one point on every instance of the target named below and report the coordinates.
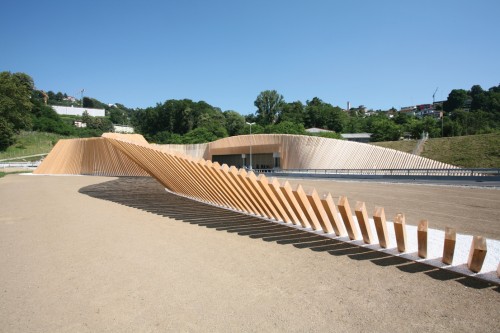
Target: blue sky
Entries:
(377, 53)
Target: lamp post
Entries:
(250, 143)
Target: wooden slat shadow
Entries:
(146, 194)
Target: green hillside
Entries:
(473, 151)
(404, 145)
(30, 143)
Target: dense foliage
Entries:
(22, 107)
(15, 105)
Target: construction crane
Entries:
(81, 96)
(434, 95)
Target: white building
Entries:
(123, 129)
(358, 137)
(76, 111)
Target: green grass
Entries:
(406, 145)
(472, 151)
(30, 143)
(3, 173)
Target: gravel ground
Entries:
(470, 210)
(92, 254)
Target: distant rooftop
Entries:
(356, 135)
(317, 130)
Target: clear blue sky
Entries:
(225, 52)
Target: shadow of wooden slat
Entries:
(146, 194)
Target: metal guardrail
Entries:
(465, 172)
(19, 164)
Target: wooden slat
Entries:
(381, 227)
(345, 212)
(363, 222)
(477, 254)
(423, 225)
(450, 237)
(333, 215)
(400, 230)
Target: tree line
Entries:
(22, 107)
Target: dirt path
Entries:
(100, 260)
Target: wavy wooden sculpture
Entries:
(182, 170)
(307, 152)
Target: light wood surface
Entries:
(183, 171)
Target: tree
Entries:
(210, 118)
(117, 116)
(269, 105)
(45, 119)
(329, 135)
(323, 115)
(86, 118)
(479, 98)
(383, 129)
(355, 124)
(87, 102)
(200, 135)
(336, 119)
(313, 117)
(15, 100)
(456, 100)
(256, 129)
(286, 127)
(234, 122)
(293, 112)
(6, 134)
(15, 105)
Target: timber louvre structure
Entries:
(236, 189)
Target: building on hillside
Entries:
(438, 105)
(409, 110)
(79, 124)
(123, 129)
(76, 111)
(357, 137)
(315, 130)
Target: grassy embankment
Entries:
(30, 143)
(473, 151)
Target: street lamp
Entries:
(250, 143)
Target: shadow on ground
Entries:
(147, 194)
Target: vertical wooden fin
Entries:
(381, 227)
(363, 222)
(333, 214)
(400, 230)
(261, 197)
(477, 254)
(320, 212)
(345, 212)
(272, 199)
(275, 188)
(423, 225)
(286, 189)
(450, 238)
(301, 197)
